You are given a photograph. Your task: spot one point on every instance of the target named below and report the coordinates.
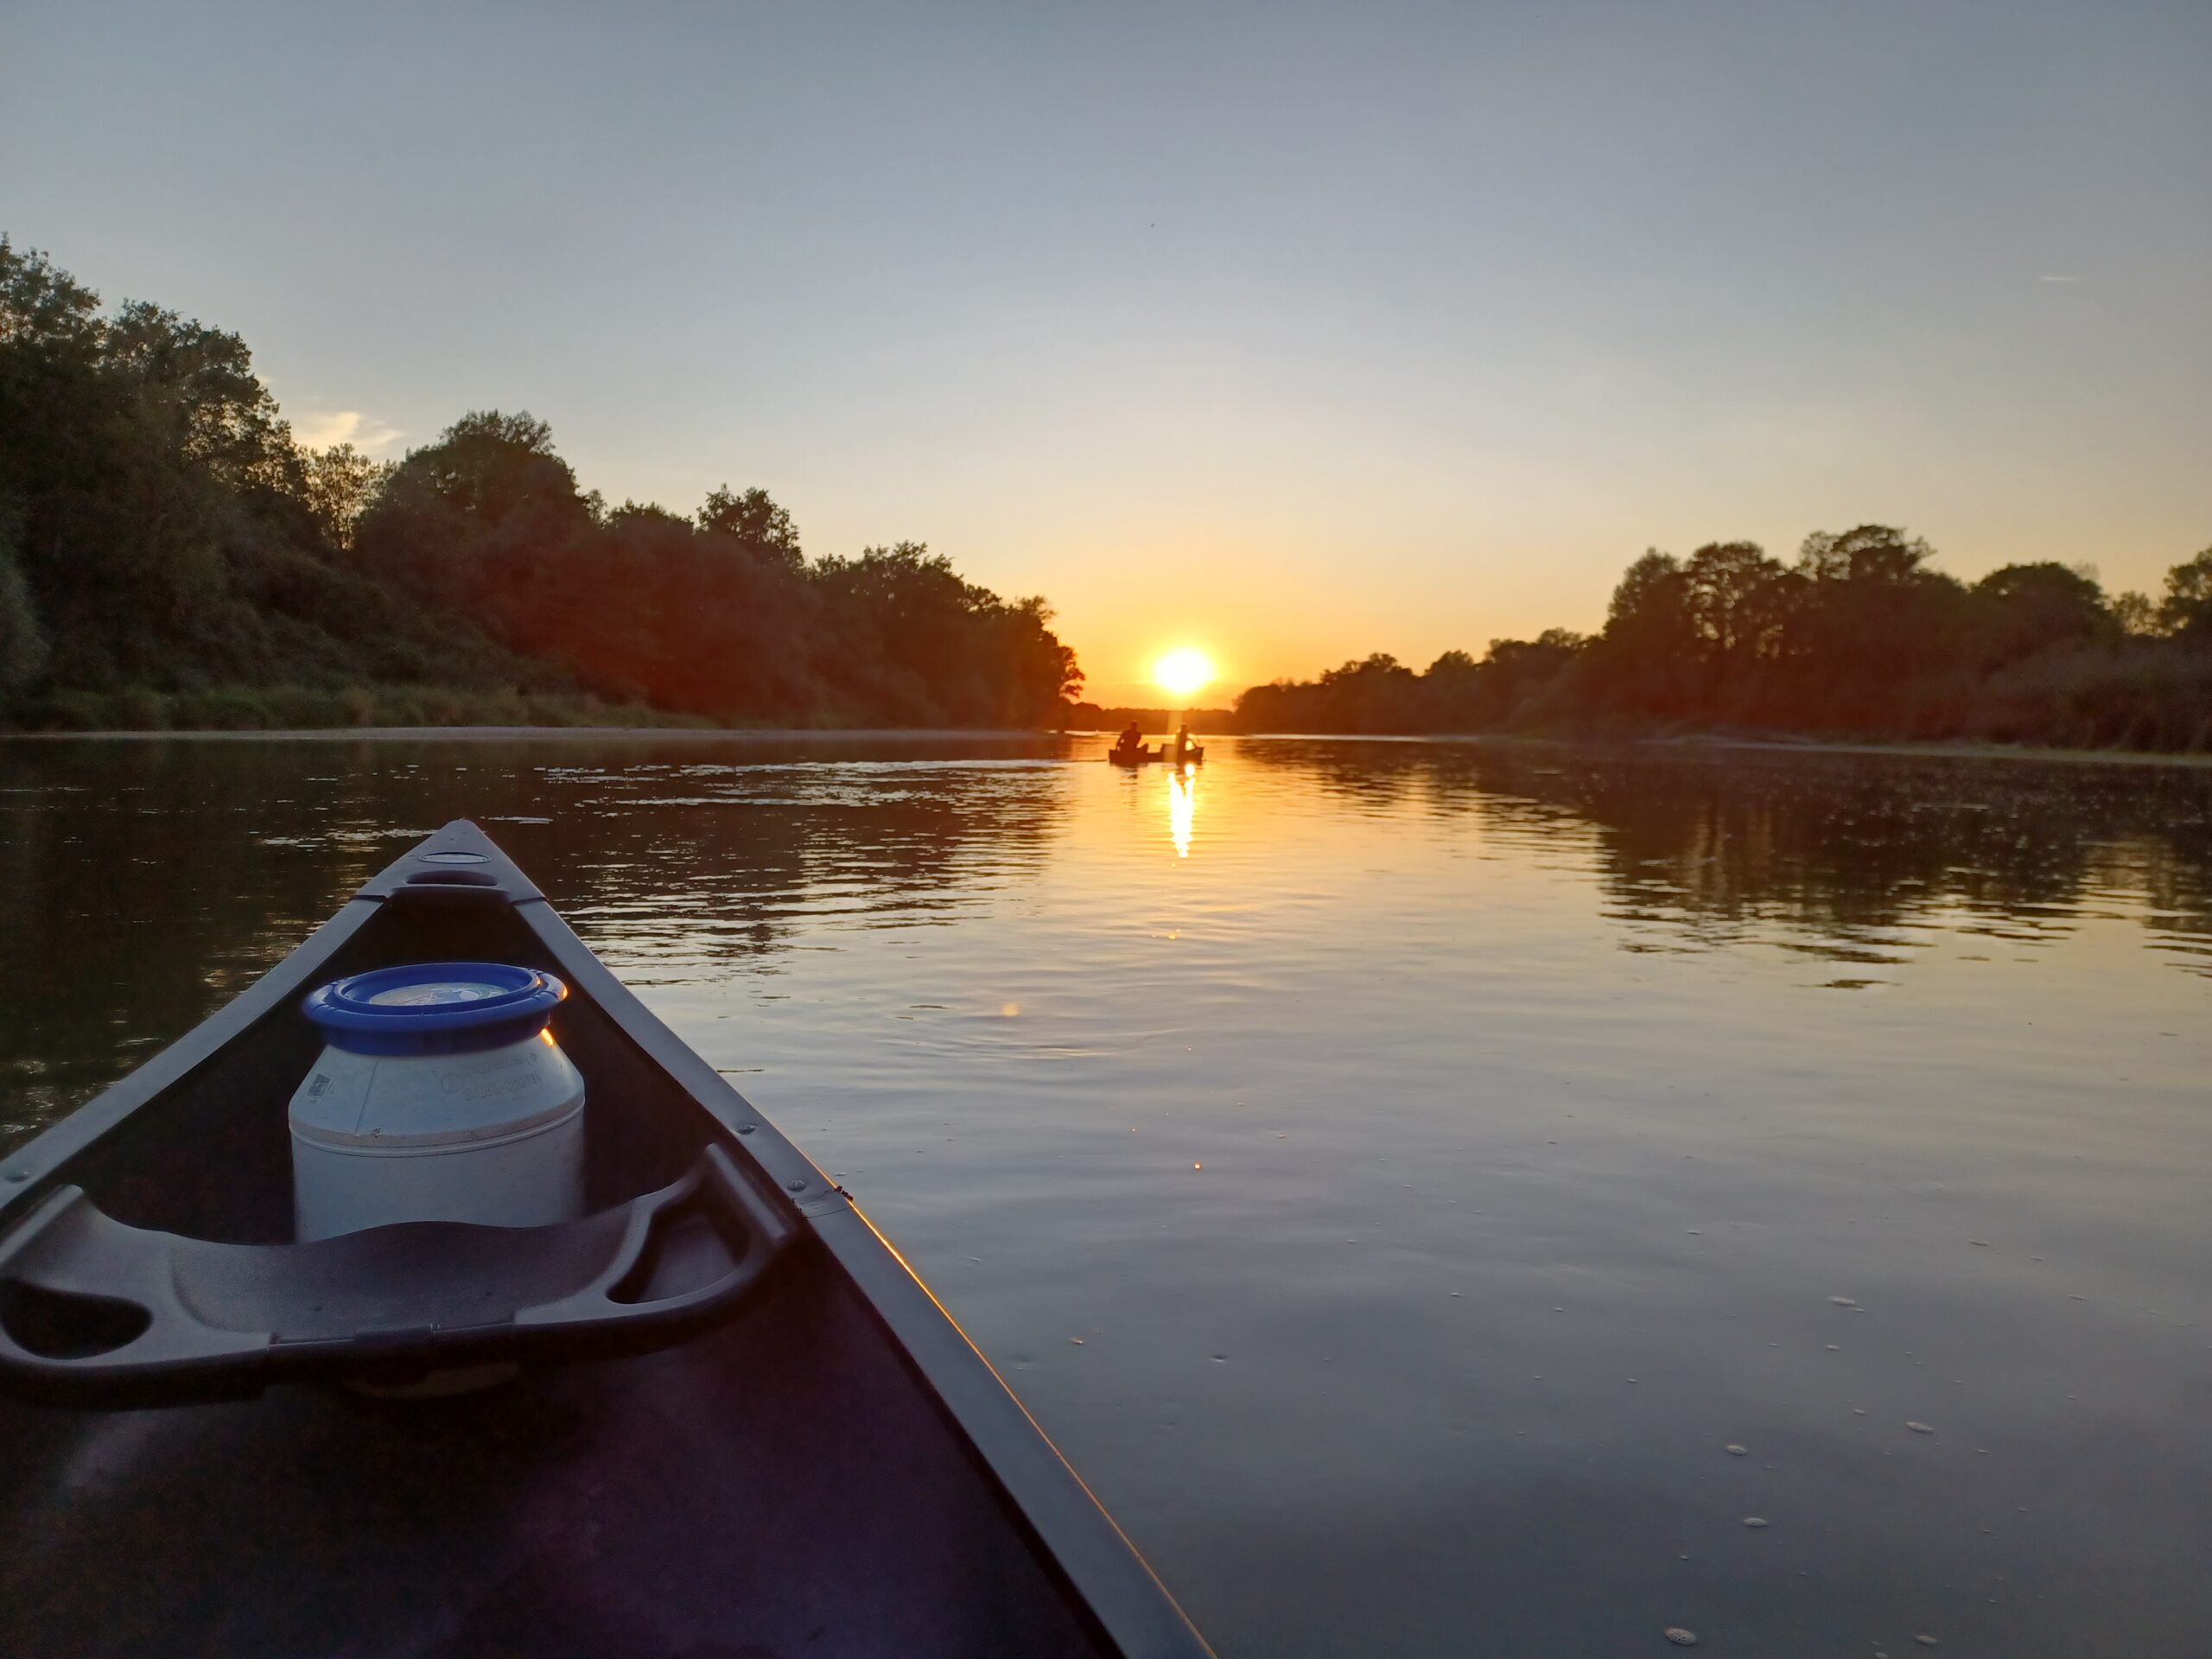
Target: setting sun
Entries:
(1184, 671)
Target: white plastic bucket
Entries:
(439, 1095)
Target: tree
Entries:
(1372, 694)
(640, 512)
(2136, 615)
(1042, 672)
(1874, 641)
(163, 525)
(24, 653)
(899, 633)
(489, 467)
(452, 526)
(1644, 661)
(2186, 611)
(1651, 602)
(2029, 609)
(148, 465)
(195, 388)
(1734, 598)
(1871, 556)
(340, 484)
(159, 527)
(755, 523)
(1516, 668)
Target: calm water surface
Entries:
(1396, 1174)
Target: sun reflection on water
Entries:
(1182, 805)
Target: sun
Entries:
(1184, 671)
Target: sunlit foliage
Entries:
(162, 534)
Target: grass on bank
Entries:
(295, 708)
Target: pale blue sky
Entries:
(1292, 331)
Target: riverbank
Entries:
(385, 711)
(1942, 751)
(700, 733)
(1938, 751)
(255, 709)
(538, 733)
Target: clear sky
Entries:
(1289, 332)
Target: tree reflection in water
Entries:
(1847, 854)
(142, 884)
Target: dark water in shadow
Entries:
(1394, 1174)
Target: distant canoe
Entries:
(740, 1425)
(1191, 756)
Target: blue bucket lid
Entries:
(434, 1007)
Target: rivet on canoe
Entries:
(746, 1128)
(17, 1175)
(796, 1186)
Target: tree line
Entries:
(164, 537)
(169, 552)
(1859, 637)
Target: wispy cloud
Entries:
(344, 426)
(2050, 278)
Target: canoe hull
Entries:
(836, 1471)
(1148, 757)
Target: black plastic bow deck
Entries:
(92, 1310)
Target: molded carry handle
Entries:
(95, 1311)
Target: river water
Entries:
(1398, 1175)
